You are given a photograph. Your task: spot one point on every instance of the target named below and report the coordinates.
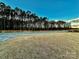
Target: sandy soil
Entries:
(45, 46)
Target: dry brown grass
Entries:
(46, 46)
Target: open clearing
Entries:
(61, 45)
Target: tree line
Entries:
(18, 19)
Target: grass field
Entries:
(47, 46)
